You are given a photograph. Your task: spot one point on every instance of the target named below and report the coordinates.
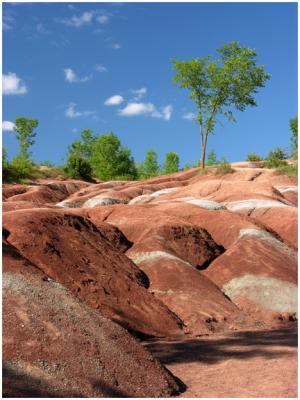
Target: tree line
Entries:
(92, 156)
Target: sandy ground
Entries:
(241, 364)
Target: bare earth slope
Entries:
(202, 267)
(56, 346)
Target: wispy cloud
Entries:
(12, 84)
(41, 29)
(115, 46)
(100, 68)
(8, 21)
(71, 112)
(134, 109)
(77, 21)
(7, 126)
(114, 100)
(139, 93)
(189, 116)
(102, 19)
(71, 77)
(86, 18)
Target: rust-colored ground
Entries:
(243, 364)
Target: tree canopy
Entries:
(111, 160)
(220, 86)
(24, 130)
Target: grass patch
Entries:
(253, 157)
(289, 170)
(223, 168)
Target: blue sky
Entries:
(107, 67)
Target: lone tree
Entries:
(24, 130)
(220, 86)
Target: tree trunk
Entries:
(203, 151)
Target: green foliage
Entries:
(24, 130)
(83, 148)
(140, 169)
(78, 168)
(18, 169)
(211, 158)
(220, 86)
(110, 160)
(171, 163)
(253, 157)
(151, 166)
(289, 170)
(276, 158)
(223, 167)
(47, 163)
(294, 137)
(187, 166)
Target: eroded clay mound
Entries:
(44, 192)
(80, 256)
(283, 221)
(258, 273)
(56, 346)
(198, 302)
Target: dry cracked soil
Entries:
(183, 285)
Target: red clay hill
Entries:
(91, 269)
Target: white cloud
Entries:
(102, 19)
(70, 112)
(114, 100)
(166, 113)
(41, 29)
(116, 46)
(8, 126)
(71, 77)
(189, 116)
(139, 93)
(80, 20)
(86, 18)
(134, 109)
(12, 84)
(8, 22)
(100, 68)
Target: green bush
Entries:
(171, 164)
(211, 158)
(290, 170)
(276, 158)
(110, 160)
(18, 169)
(253, 157)
(294, 138)
(223, 167)
(187, 166)
(78, 168)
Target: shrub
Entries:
(223, 167)
(78, 168)
(211, 158)
(151, 166)
(276, 158)
(290, 170)
(171, 163)
(294, 138)
(187, 166)
(111, 160)
(253, 157)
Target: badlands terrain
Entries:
(181, 285)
